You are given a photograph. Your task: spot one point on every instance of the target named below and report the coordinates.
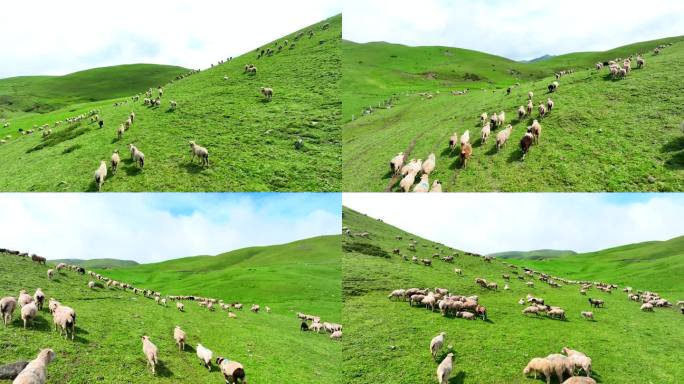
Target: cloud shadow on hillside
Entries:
(674, 146)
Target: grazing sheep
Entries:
(29, 313)
(255, 308)
(150, 351)
(436, 344)
(531, 309)
(397, 163)
(580, 380)
(50, 274)
(137, 156)
(640, 62)
(24, 298)
(579, 359)
(588, 315)
(466, 153)
(201, 153)
(535, 129)
(526, 143)
(539, 365)
(64, 318)
(100, 175)
(233, 372)
(267, 92)
(336, 335)
(465, 138)
(423, 185)
(596, 303)
(180, 306)
(444, 369)
(647, 307)
(7, 306)
(39, 298)
(204, 355)
(436, 186)
(502, 137)
(458, 270)
(561, 364)
(91, 284)
(542, 110)
(556, 313)
(397, 293)
(486, 130)
(429, 164)
(36, 370)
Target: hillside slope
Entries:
(657, 265)
(387, 340)
(96, 263)
(535, 255)
(251, 141)
(602, 135)
(110, 322)
(41, 94)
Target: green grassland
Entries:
(387, 341)
(251, 141)
(534, 255)
(110, 322)
(96, 263)
(602, 135)
(42, 94)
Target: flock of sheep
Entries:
(334, 329)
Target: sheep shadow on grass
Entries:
(193, 168)
(515, 156)
(133, 170)
(40, 323)
(458, 379)
(163, 370)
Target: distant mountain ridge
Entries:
(97, 263)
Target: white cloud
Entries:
(488, 223)
(155, 227)
(518, 29)
(58, 37)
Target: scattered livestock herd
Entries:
(409, 170)
(469, 308)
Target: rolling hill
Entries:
(96, 263)
(41, 94)
(252, 142)
(111, 321)
(602, 135)
(534, 255)
(387, 340)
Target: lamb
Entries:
(180, 306)
(50, 274)
(502, 137)
(588, 315)
(429, 164)
(29, 313)
(65, 318)
(100, 175)
(233, 372)
(486, 130)
(201, 153)
(539, 365)
(436, 186)
(423, 185)
(397, 163)
(115, 160)
(579, 359)
(521, 112)
(444, 369)
(267, 92)
(39, 298)
(204, 355)
(465, 138)
(150, 351)
(466, 153)
(647, 307)
(436, 344)
(526, 143)
(549, 104)
(7, 306)
(36, 370)
(137, 156)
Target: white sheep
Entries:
(64, 318)
(36, 370)
(39, 298)
(24, 298)
(423, 185)
(408, 181)
(205, 355)
(580, 380)
(484, 134)
(101, 175)
(444, 369)
(29, 313)
(201, 153)
(336, 335)
(397, 163)
(429, 164)
(150, 350)
(180, 306)
(115, 160)
(267, 92)
(7, 306)
(647, 307)
(549, 104)
(502, 137)
(91, 284)
(530, 95)
(465, 138)
(137, 156)
(436, 186)
(173, 104)
(120, 131)
(539, 365)
(50, 274)
(521, 112)
(542, 110)
(579, 359)
(436, 344)
(233, 372)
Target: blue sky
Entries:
(149, 227)
(517, 29)
(495, 222)
(43, 37)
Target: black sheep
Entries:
(304, 326)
